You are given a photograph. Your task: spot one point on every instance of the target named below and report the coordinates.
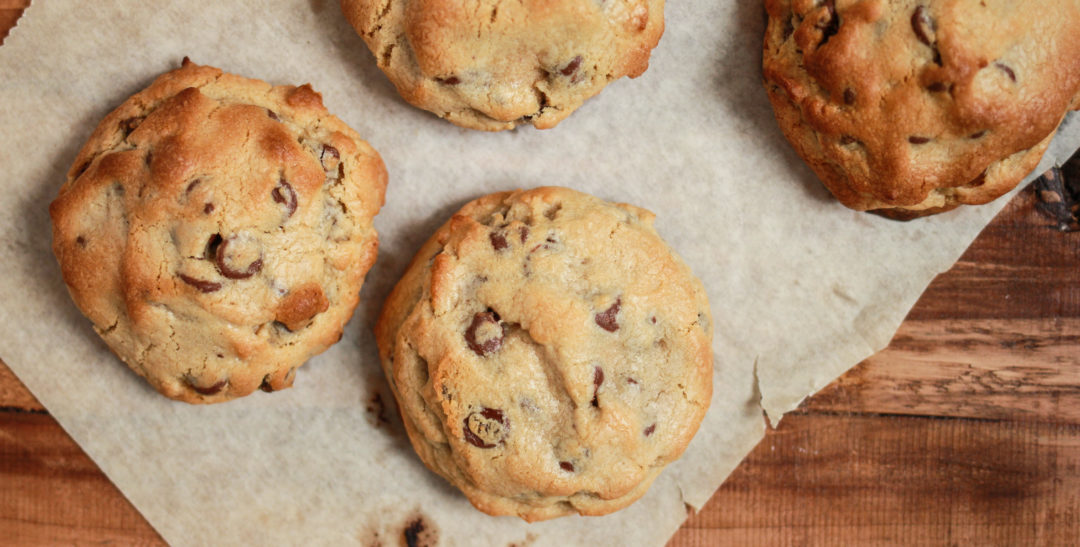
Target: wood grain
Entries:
(966, 430)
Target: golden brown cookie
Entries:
(914, 107)
(549, 353)
(492, 65)
(216, 231)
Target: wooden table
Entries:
(965, 430)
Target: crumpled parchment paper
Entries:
(801, 288)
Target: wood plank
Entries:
(10, 11)
(1022, 267)
(52, 493)
(1026, 370)
(13, 394)
(861, 480)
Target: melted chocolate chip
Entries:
(977, 135)
(849, 96)
(284, 194)
(209, 390)
(208, 208)
(452, 80)
(212, 246)
(566, 466)
(631, 381)
(203, 286)
(131, 124)
(649, 430)
(937, 87)
(498, 241)
(828, 23)
(915, 139)
(923, 25)
(329, 157)
(486, 428)
(607, 318)
(265, 385)
(572, 67)
(1008, 71)
(234, 257)
(598, 378)
(524, 232)
(273, 115)
(485, 333)
(192, 185)
(81, 241)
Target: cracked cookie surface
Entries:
(549, 353)
(493, 65)
(914, 107)
(216, 231)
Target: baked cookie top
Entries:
(216, 231)
(549, 353)
(492, 65)
(914, 107)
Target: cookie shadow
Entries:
(357, 63)
(37, 262)
(747, 99)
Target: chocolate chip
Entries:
(485, 333)
(212, 246)
(571, 67)
(486, 428)
(1008, 71)
(977, 135)
(192, 185)
(273, 115)
(915, 139)
(265, 385)
(923, 25)
(131, 124)
(828, 22)
(566, 466)
(203, 286)
(284, 194)
(551, 213)
(649, 430)
(598, 378)
(524, 231)
(330, 158)
(452, 80)
(607, 318)
(631, 381)
(498, 241)
(238, 257)
(849, 96)
(209, 390)
(81, 241)
(208, 208)
(937, 87)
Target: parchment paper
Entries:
(801, 288)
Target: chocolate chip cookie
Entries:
(493, 65)
(216, 231)
(911, 108)
(549, 353)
